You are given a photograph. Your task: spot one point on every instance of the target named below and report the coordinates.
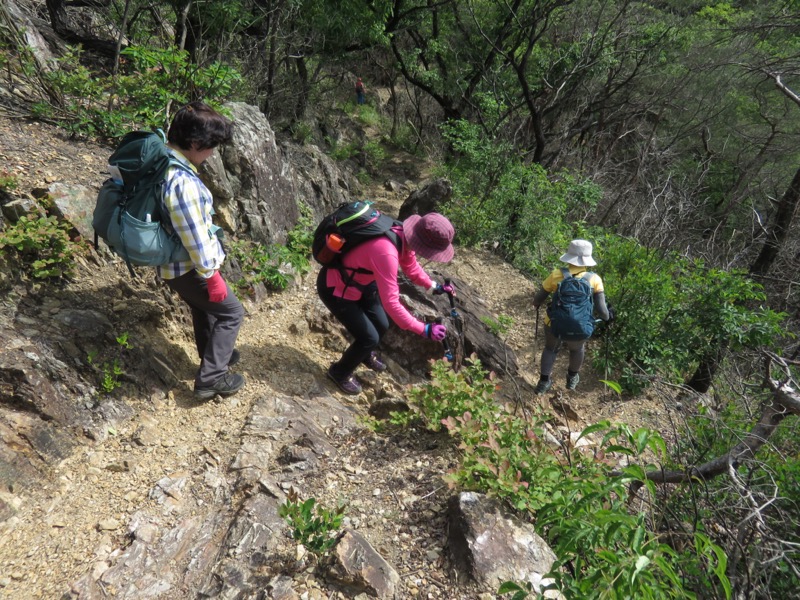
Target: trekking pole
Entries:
(454, 315)
(448, 351)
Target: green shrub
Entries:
(277, 265)
(151, 80)
(577, 501)
(43, 246)
(109, 371)
(8, 181)
(313, 525)
(672, 312)
(504, 203)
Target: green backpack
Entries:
(130, 215)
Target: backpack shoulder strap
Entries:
(565, 273)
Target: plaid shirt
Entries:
(190, 207)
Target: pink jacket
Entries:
(381, 257)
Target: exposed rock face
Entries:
(494, 546)
(427, 199)
(466, 334)
(252, 183)
(359, 568)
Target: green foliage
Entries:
(449, 393)
(672, 312)
(111, 370)
(313, 525)
(343, 151)
(43, 246)
(375, 155)
(277, 265)
(576, 500)
(151, 80)
(8, 181)
(500, 201)
(499, 326)
(301, 132)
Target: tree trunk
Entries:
(778, 229)
(58, 16)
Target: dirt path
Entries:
(77, 523)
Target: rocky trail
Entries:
(151, 487)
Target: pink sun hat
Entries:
(430, 236)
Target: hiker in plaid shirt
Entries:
(217, 314)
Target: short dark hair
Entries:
(199, 125)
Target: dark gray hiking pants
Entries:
(551, 347)
(216, 325)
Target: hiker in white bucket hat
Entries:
(577, 295)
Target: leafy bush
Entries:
(577, 501)
(312, 525)
(505, 203)
(43, 245)
(275, 266)
(672, 312)
(8, 182)
(151, 80)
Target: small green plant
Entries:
(313, 525)
(449, 394)
(301, 132)
(8, 182)
(518, 591)
(122, 340)
(375, 155)
(111, 370)
(368, 115)
(43, 245)
(277, 265)
(499, 326)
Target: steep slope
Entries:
(174, 463)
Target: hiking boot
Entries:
(543, 386)
(227, 385)
(375, 363)
(235, 356)
(572, 381)
(348, 385)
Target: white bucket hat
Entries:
(579, 254)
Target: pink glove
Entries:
(435, 331)
(217, 290)
(444, 289)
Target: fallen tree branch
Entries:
(785, 401)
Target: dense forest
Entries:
(665, 132)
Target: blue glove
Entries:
(435, 331)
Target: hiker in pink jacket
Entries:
(365, 303)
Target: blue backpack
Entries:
(571, 311)
(130, 213)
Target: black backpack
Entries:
(350, 225)
(129, 214)
(571, 311)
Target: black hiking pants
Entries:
(216, 325)
(365, 319)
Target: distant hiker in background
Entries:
(360, 91)
(217, 314)
(577, 294)
(364, 301)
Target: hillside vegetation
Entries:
(664, 132)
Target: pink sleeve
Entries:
(412, 269)
(385, 265)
